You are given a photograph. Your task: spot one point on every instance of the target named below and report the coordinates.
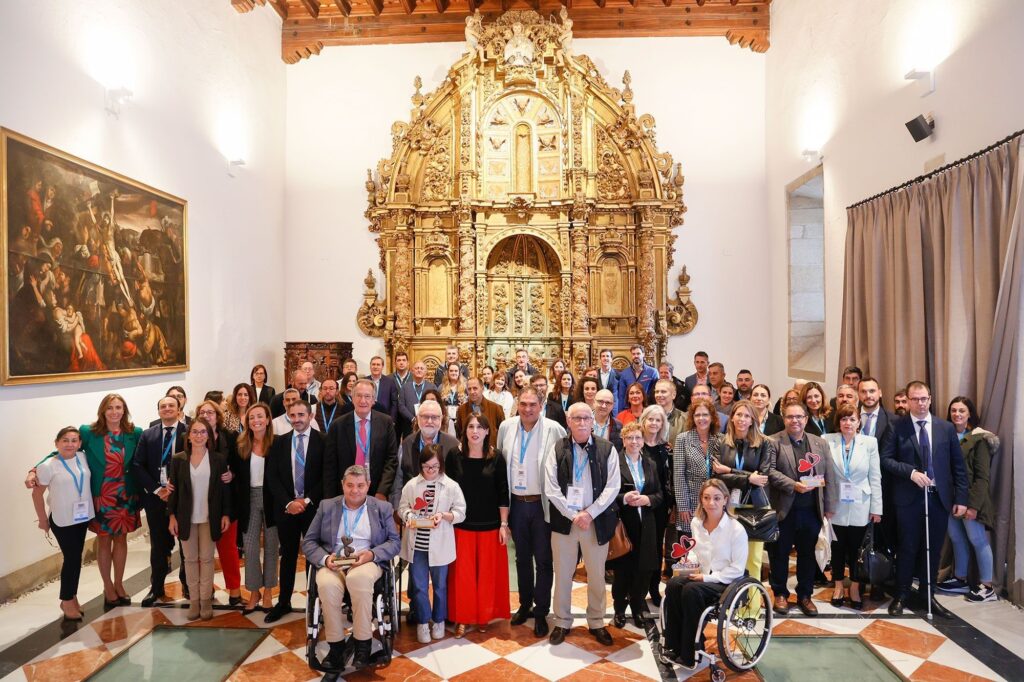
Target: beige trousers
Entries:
(198, 551)
(564, 549)
(359, 582)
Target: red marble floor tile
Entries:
(503, 639)
(73, 666)
(225, 619)
(292, 634)
(501, 669)
(930, 671)
(283, 667)
(791, 626)
(580, 636)
(400, 668)
(901, 638)
(605, 671)
(133, 625)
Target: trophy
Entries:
(806, 465)
(345, 557)
(681, 551)
(419, 519)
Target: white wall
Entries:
(208, 83)
(835, 83)
(707, 98)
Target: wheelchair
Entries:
(744, 627)
(384, 613)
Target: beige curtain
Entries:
(932, 291)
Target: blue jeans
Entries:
(962, 531)
(419, 572)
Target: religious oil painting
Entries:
(95, 281)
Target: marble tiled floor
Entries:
(912, 646)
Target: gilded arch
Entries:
(524, 139)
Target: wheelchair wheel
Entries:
(744, 624)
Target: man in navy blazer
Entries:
(700, 363)
(637, 371)
(923, 458)
(369, 536)
(156, 446)
(878, 422)
(349, 442)
(385, 387)
(608, 376)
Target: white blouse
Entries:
(200, 476)
(722, 553)
(61, 491)
(257, 464)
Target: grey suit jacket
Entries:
(407, 398)
(785, 474)
(322, 535)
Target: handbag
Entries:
(823, 546)
(874, 566)
(619, 545)
(761, 523)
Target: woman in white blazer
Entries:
(855, 458)
(436, 503)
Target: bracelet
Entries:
(504, 524)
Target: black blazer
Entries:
(188, 421)
(760, 460)
(408, 466)
(640, 525)
(149, 454)
(324, 411)
(387, 395)
(340, 452)
(902, 456)
(265, 394)
(813, 429)
(218, 496)
(773, 424)
(278, 481)
(553, 410)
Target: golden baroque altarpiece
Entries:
(525, 204)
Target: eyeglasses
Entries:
(580, 419)
(429, 417)
(431, 467)
(920, 400)
(796, 417)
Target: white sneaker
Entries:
(423, 633)
(981, 593)
(437, 630)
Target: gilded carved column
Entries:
(580, 280)
(403, 291)
(467, 283)
(646, 325)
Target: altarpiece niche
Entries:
(525, 204)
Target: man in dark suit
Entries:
(178, 393)
(477, 405)
(429, 432)
(802, 508)
(300, 382)
(363, 436)
(523, 363)
(608, 376)
(605, 424)
(681, 399)
(328, 409)
(451, 354)
(700, 363)
(385, 388)
(877, 422)
(851, 377)
(412, 391)
(637, 372)
(551, 408)
(293, 486)
(401, 375)
(149, 465)
(923, 457)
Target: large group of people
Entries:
(446, 474)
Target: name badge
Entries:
(80, 512)
(163, 477)
(416, 409)
(519, 477)
(847, 492)
(574, 497)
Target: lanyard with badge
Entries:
(847, 491)
(163, 460)
(519, 474)
(574, 493)
(328, 420)
(419, 396)
(601, 431)
(80, 510)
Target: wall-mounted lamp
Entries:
(114, 98)
(916, 75)
(234, 165)
(811, 155)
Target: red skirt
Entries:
(478, 580)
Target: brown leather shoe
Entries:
(807, 606)
(781, 605)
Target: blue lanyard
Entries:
(418, 391)
(565, 403)
(344, 521)
(739, 458)
(167, 448)
(301, 458)
(638, 473)
(524, 441)
(327, 422)
(437, 437)
(364, 444)
(602, 430)
(578, 469)
(847, 454)
(453, 398)
(400, 381)
(79, 482)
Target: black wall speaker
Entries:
(920, 128)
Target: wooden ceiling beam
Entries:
(600, 3)
(376, 6)
(281, 7)
(312, 7)
(408, 5)
(243, 6)
(441, 6)
(344, 6)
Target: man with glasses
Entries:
(923, 458)
(802, 467)
(581, 482)
(428, 421)
(605, 425)
(523, 363)
(364, 436)
(361, 528)
(551, 408)
(528, 441)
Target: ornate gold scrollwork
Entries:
(681, 314)
(372, 316)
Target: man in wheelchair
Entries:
(721, 553)
(353, 536)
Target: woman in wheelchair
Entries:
(353, 536)
(721, 551)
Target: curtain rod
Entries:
(943, 169)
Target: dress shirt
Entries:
(874, 421)
(534, 486)
(590, 505)
(931, 441)
(305, 449)
(722, 553)
(360, 531)
(369, 436)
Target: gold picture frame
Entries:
(95, 283)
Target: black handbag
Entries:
(874, 566)
(761, 523)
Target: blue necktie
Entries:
(300, 466)
(167, 437)
(926, 448)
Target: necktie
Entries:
(926, 448)
(300, 466)
(167, 437)
(360, 451)
(867, 418)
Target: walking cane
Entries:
(927, 553)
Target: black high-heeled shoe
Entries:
(837, 601)
(110, 605)
(234, 601)
(124, 601)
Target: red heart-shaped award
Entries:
(419, 505)
(683, 547)
(808, 462)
